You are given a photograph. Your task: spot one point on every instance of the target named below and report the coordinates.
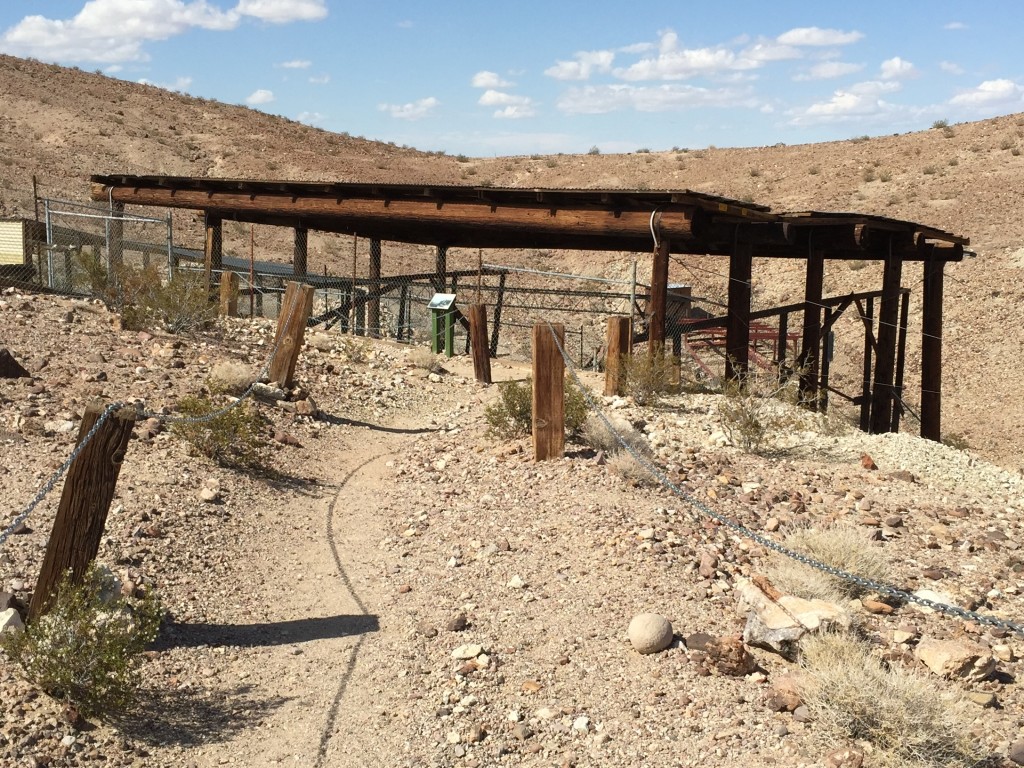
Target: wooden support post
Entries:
(84, 503)
(440, 268)
(548, 392)
(214, 253)
(403, 311)
(810, 353)
(498, 304)
(888, 317)
(229, 294)
(826, 361)
(931, 351)
(658, 304)
(291, 328)
(869, 344)
(300, 254)
(373, 313)
(477, 314)
(617, 342)
(901, 355)
(737, 327)
(782, 342)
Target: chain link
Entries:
(869, 584)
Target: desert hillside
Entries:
(63, 125)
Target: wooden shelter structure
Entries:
(663, 221)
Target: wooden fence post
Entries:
(477, 314)
(84, 503)
(548, 392)
(617, 343)
(291, 328)
(229, 294)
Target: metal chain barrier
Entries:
(881, 588)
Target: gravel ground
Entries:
(407, 591)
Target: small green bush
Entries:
(86, 650)
(235, 438)
(760, 408)
(511, 416)
(594, 150)
(940, 124)
(648, 375)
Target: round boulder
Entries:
(650, 633)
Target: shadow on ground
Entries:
(341, 421)
(196, 717)
(175, 635)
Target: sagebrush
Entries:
(841, 546)
(511, 415)
(649, 375)
(233, 437)
(86, 650)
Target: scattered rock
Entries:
(457, 623)
(521, 731)
(468, 651)
(10, 620)
(729, 656)
(209, 495)
(802, 714)
(785, 694)
(777, 625)
(650, 633)
(876, 606)
(9, 367)
(983, 699)
(286, 438)
(956, 659)
(847, 757)
(867, 462)
(1016, 752)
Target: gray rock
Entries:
(468, 651)
(778, 624)
(1016, 752)
(650, 633)
(10, 620)
(268, 393)
(521, 731)
(960, 659)
(802, 714)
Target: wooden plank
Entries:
(931, 352)
(783, 341)
(867, 315)
(291, 329)
(901, 355)
(229, 294)
(737, 328)
(548, 392)
(84, 503)
(658, 306)
(477, 315)
(373, 305)
(885, 364)
(810, 353)
(617, 344)
(300, 253)
(213, 253)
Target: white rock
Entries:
(935, 597)
(10, 620)
(546, 713)
(209, 495)
(468, 651)
(581, 724)
(650, 633)
(956, 659)
(778, 625)
(516, 582)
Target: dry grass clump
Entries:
(906, 718)
(230, 378)
(598, 436)
(631, 471)
(841, 546)
(422, 357)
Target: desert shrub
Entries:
(930, 170)
(86, 650)
(940, 124)
(597, 435)
(905, 717)
(814, 170)
(956, 440)
(648, 375)
(885, 176)
(422, 357)
(355, 348)
(233, 437)
(511, 415)
(840, 546)
(594, 150)
(760, 409)
(229, 377)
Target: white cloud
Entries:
(951, 68)
(515, 112)
(109, 31)
(323, 79)
(296, 64)
(413, 111)
(311, 118)
(858, 102)
(405, 24)
(897, 69)
(955, 25)
(258, 97)
(769, 51)
(180, 84)
(600, 99)
(585, 64)
(816, 36)
(827, 70)
(991, 94)
(485, 79)
(283, 11)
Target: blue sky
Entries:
(523, 77)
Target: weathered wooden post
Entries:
(885, 360)
(617, 344)
(657, 306)
(477, 314)
(548, 392)
(737, 328)
(300, 253)
(229, 294)
(810, 353)
(291, 328)
(84, 503)
(373, 306)
(214, 254)
(931, 351)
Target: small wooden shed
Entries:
(21, 242)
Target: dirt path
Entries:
(309, 585)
